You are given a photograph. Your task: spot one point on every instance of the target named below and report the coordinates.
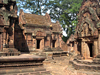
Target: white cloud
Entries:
(27, 11)
(64, 33)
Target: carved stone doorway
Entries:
(90, 45)
(38, 43)
(53, 43)
(79, 46)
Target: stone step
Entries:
(78, 66)
(31, 73)
(21, 61)
(19, 65)
(90, 62)
(25, 71)
(71, 71)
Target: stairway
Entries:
(24, 64)
(89, 65)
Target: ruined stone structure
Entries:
(8, 21)
(38, 32)
(13, 41)
(87, 37)
(28, 32)
(87, 30)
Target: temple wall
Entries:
(42, 44)
(75, 47)
(20, 41)
(48, 41)
(95, 49)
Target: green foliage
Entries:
(66, 12)
(65, 38)
(34, 6)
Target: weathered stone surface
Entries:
(87, 30)
(87, 38)
(39, 32)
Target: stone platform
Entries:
(9, 52)
(90, 65)
(24, 64)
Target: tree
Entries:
(34, 6)
(66, 12)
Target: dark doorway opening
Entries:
(38, 44)
(79, 46)
(90, 49)
(53, 43)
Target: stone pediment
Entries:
(39, 33)
(88, 19)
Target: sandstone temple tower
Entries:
(87, 37)
(8, 20)
(87, 31)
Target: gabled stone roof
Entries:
(56, 27)
(33, 19)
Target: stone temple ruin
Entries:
(39, 32)
(87, 37)
(27, 40)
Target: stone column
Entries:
(49, 41)
(87, 52)
(1, 42)
(95, 49)
(99, 42)
(42, 44)
(34, 43)
(4, 39)
(75, 47)
(83, 49)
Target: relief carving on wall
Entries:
(39, 33)
(86, 31)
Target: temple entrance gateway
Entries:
(79, 46)
(38, 43)
(53, 43)
(90, 45)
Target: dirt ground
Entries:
(58, 65)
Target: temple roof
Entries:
(56, 27)
(33, 19)
(71, 39)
